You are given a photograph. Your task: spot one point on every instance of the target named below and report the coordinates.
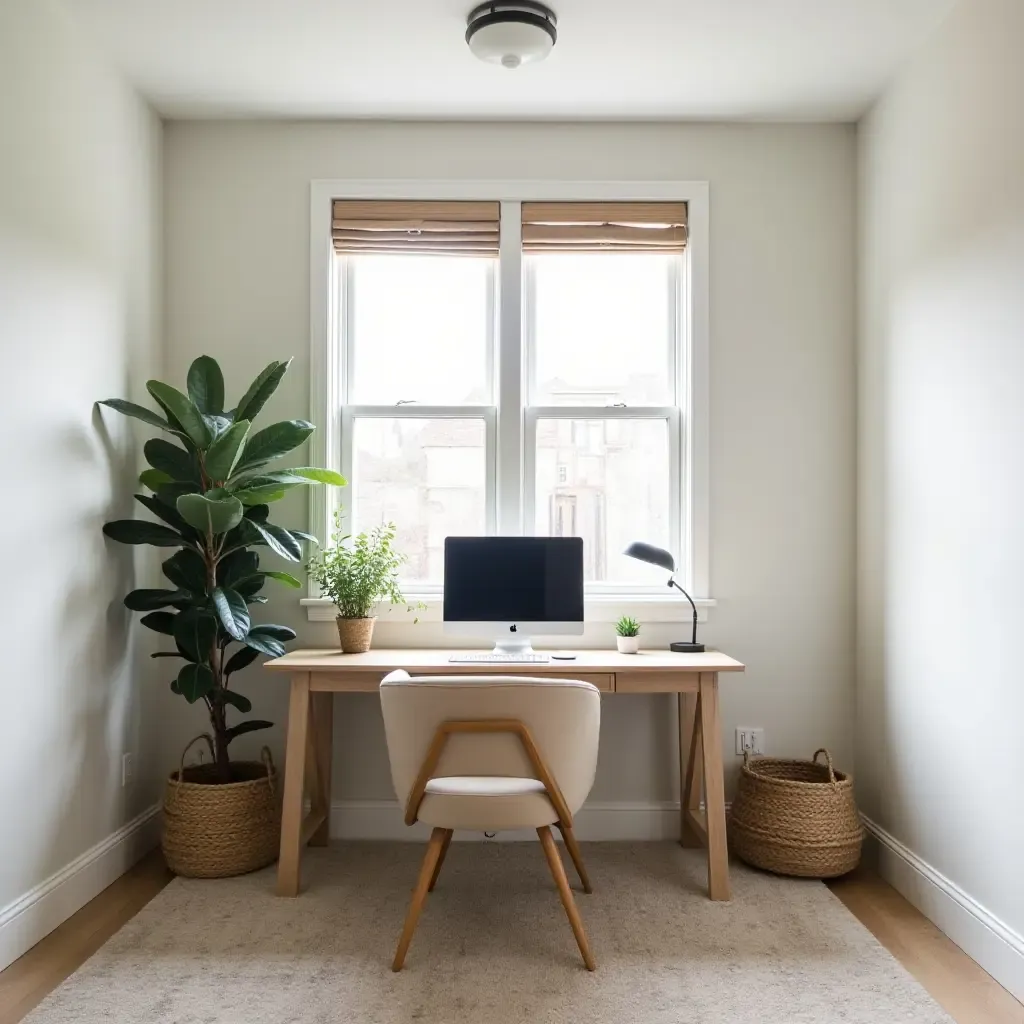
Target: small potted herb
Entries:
(627, 635)
(356, 573)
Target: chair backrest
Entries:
(563, 717)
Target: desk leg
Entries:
(714, 788)
(691, 770)
(322, 712)
(288, 864)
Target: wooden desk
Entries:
(317, 675)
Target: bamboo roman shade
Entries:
(415, 228)
(604, 227)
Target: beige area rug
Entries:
(493, 947)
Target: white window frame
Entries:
(511, 421)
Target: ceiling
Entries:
(645, 59)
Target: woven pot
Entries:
(796, 818)
(213, 829)
(355, 635)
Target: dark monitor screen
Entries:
(513, 579)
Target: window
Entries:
(512, 366)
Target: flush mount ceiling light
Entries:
(511, 33)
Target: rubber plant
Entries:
(211, 484)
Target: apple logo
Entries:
(512, 628)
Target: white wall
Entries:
(79, 244)
(782, 441)
(941, 611)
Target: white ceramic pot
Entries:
(627, 644)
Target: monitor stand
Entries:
(513, 646)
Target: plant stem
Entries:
(218, 717)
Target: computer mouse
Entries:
(563, 655)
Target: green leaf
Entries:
(175, 688)
(208, 516)
(149, 600)
(241, 658)
(260, 496)
(253, 725)
(139, 412)
(264, 644)
(273, 631)
(170, 493)
(183, 409)
(232, 611)
(168, 513)
(168, 458)
(170, 654)
(319, 476)
(260, 391)
(223, 454)
(139, 531)
(217, 424)
(206, 385)
(237, 566)
(280, 541)
(195, 632)
(153, 478)
(159, 622)
(195, 682)
(307, 537)
(286, 578)
(251, 586)
(257, 513)
(275, 440)
(237, 700)
(187, 571)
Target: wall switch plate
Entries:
(127, 770)
(749, 741)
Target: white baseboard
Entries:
(974, 928)
(382, 819)
(34, 915)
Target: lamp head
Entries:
(645, 552)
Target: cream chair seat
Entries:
(490, 753)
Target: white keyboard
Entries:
(491, 658)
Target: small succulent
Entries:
(627, 626)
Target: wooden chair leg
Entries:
(419, 895)
(577, 857)
(446, 842)
(547, 841)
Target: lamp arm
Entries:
(672, 583)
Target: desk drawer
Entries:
(656, 682)
(605, 683)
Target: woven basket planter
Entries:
(355, 635)
(796, 818)
(213, 829)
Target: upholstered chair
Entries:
(492, 753)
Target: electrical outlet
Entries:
(127, 770)
(749, 741)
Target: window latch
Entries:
(406, 401)
(616, 405)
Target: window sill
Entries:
(646, 608)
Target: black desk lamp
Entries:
(660, 557)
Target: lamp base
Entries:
(685, 647)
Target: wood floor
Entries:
(965, 991)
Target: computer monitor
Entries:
(512, 588)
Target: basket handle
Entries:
(268, 762)
(828, 761)
(181, 765)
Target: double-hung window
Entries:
(512, 366)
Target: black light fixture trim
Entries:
(498, 12)
(644, 552)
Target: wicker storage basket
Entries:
(213, 830)
(796, 818)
